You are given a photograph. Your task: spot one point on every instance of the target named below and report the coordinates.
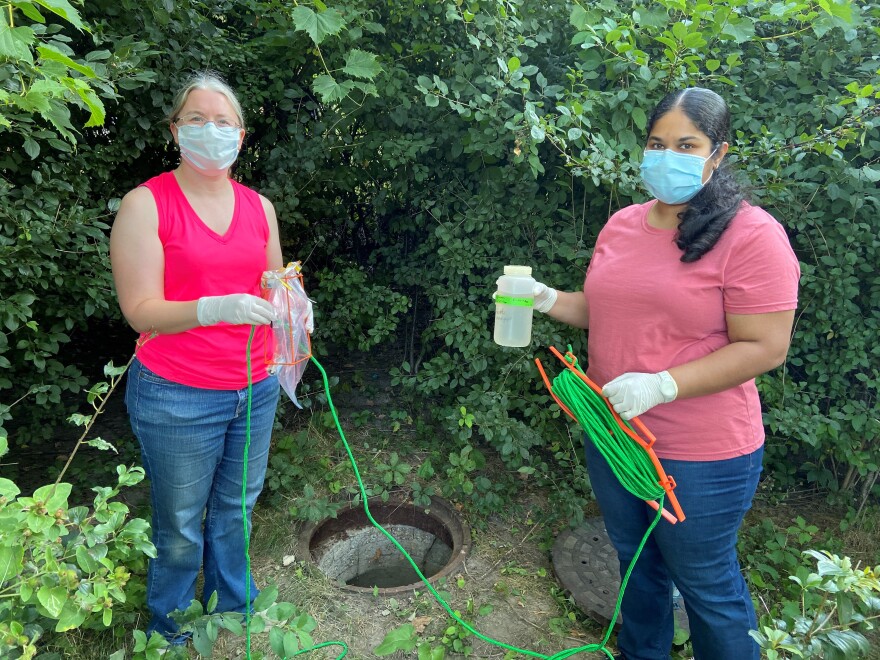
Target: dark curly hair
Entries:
(710, 211)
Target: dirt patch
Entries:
(505, 589)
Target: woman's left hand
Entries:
(635, 393)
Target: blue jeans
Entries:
(192, 444)
(698, 555)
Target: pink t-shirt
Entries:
(199, 262)
(649, 312)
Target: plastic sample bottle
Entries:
(514, 302)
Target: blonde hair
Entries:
(212, 82)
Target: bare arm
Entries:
(274, 259)
(138, 263)
(759, 343)
(571, 308)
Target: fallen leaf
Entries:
(420, 623)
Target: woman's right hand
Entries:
(235, 308)
(566, 306)
(544, 297)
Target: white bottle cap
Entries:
(521, 271)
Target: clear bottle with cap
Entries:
(514, 302)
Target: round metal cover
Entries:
(586, 564)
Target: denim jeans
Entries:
(698, 555)
(192, 444)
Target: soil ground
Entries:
(506, 570)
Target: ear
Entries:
(240, 138)
(720, 154)
(172, 128)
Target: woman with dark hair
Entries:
(687, 299)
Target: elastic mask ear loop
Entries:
(712, 173)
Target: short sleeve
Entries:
(762, 272)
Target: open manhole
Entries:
(351, 551)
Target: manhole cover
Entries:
(359, 557)
(586, 564)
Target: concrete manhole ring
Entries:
(358, 557)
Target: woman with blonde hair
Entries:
(188, 249)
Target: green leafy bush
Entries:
(413, 149)
(64, 567)
(836, 605)
(354, 312)
(802, 82)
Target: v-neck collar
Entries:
(222, 238)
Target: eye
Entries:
(193, 120)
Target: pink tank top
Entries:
(199, 262)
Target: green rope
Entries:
(629, 462)
(244, 481)
(247, 536)
(323, 645)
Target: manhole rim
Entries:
(440, 511)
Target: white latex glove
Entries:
(236, 308)
(544, 296)
(634, 393)
(310, 317)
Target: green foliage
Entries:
(403, 639)
(53, 252)
(289, 628)
(834, 606)
(413, 149)
(802, 82)
(770, 553)
(454, 638)
(300, 459)
(310, 506)
(151, 648)
(64, 567)
(820, 614)
(353, 312)
(44, 76)
(394, 472)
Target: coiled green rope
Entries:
(630, 463)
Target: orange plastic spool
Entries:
(647, 442)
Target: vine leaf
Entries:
(318, 26)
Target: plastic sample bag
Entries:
(291, 342)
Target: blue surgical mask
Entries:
(673, 177)
(209, 148)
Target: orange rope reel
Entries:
(647, 442)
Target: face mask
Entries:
(673, 177)
(209, 148)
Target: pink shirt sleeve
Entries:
(762, 272)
